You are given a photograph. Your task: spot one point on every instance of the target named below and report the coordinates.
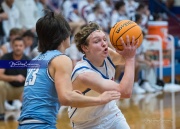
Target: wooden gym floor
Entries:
(148, 111)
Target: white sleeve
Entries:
(78, 72)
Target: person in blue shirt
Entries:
(49, 87)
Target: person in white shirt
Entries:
(119, 13)
(99, 17)
(131, 7)
(28, 14)
(13, 16)
(95, 74)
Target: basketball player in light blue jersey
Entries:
(95, 74)
(49, 87)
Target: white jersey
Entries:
(107, 71)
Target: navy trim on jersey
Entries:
(111, 61)
(87, 90)
(73, 113)
(47, 69)
(78, 69)
(84, 92)
(96, 68)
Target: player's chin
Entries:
(105, 54)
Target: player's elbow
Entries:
(126, 93)
(65, 100)
(126, 96)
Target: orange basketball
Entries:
(123, 28)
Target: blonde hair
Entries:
(81, 37)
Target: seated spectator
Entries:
(41, 5)
(28, 38)
(3, 16)
(7, 47)
(99, 17)
(28, 14)
(13, 16)
(147, 65)
(12, 80)
(86, 8)
(74, 54)
(119, 13)
(72, 15)
(107, 6)
(144, 63)
(131, 6)
(143, 10)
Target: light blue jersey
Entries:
(40, 99)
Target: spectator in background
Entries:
(131, 7)
(72, 15)
(41, 5)
(143, 10)
(157, 17)
(28, 14)
(12, 80)
(86, 8)
(13, 16)
(145, 64)
(81, 5)
(119, 13)
(54, 5)
(3, 16)
(28, 38)
(99, 17)
(107, 6)
(74, 54)
(7, 47)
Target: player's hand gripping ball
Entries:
(123, 28)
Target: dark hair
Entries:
(51, 29)
(81, 37)
(96, 7)
(28, 33)
(141, 6)
(137, 17)
(15, 31)
(17, 39)
(119, 4)
(157, 16)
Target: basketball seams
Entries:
(125, 32)
(138, 37)
(135, 39)
(111, 37)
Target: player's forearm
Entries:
(79, 100)
(127, 81)
(7, 78)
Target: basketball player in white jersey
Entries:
(95, 74)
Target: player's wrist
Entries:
(100, 100)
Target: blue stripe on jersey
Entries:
(78, 69)
(96, 68)
(110, 61)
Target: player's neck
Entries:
(96, 62)
(61, 49)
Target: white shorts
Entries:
(111, 121)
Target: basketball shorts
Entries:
(110, 121)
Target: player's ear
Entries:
(84, 48)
